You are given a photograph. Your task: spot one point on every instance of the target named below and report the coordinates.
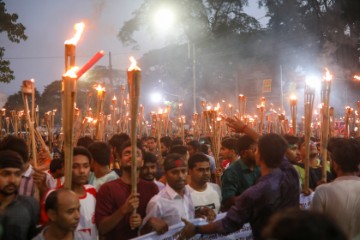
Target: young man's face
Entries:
(80, 169)
(57, 155)
(126, 158)
(148, 171)
(226, 153)
(293, 153)
(191, 150)
(9, 180)
(200, 174)
(248, 155)
(67, 215)
(163, 149)
(176, 178)
(151, 145)
(313, 151)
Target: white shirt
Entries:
(211, 197)
(97, 182)
(160, 185)
(340, 199)
(52, 182)
(87, 225)
(170, 206)
(87, 212)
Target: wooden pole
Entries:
(325, 95)
(134, 79)
(68, 111)
(308, 108)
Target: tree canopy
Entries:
(196, 20)
(233, 52)
(15, 33)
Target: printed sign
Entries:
(244, 233)
(266, 87)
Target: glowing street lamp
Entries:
(156, 97)
(164, 19)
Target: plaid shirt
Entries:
(27, 186)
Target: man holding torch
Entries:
(116, 202)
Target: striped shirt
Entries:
(27, 186)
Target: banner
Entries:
(244, 233)
(266, 86)
(305, 200)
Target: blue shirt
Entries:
(273, 192)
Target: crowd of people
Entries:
(259, 181)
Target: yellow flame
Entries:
(100, 88)
(208, 107)
(79, 27)
(357, 77)
(133, 66)
(114, 98)
(293, 97)
(328, 76)
(71, 72)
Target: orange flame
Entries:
(293, 97)
(328, 75)
(114, 98)
(100, 88)
(357, 77)
(71, 72)
(79, 27)
(133, 66)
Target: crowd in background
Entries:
(259, 181)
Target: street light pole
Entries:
(194, 75)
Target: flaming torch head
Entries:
(71, 73)
(27, 86)
(100, 91)
(79, 27)
(113, 101)
(293, 100)
(328, 77)
(133, 66)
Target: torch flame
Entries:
(99, 88)
(133, 66)
(328, 75)
(71, 72)
(79, 27)
(208, 108)
(114, 98)
(357, 77)
(293, 97)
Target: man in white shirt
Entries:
(85, 192)
(203, 193)
(100, 165)
(63, 210)
(340, 199)
(55, 175)
(173, 203)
